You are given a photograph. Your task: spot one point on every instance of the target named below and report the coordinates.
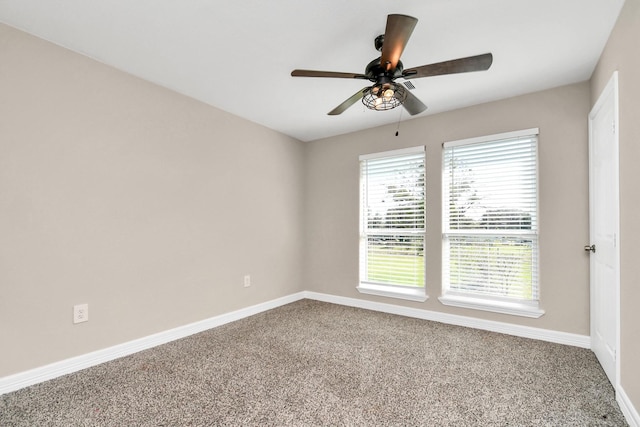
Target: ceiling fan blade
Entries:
(333, 74)
(462, 65)
(348, 103)
(396, 36)
(413, 105)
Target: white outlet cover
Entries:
(80, 313)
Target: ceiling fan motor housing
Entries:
(376, 71)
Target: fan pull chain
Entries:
(399, 118)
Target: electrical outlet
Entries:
(80, 313)
(247, 281)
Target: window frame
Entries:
(411, 293)
(505, 305)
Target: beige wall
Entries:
(143, 203)
(621, 53)
(560, 114)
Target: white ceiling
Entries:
(238, 55)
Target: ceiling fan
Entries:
(386, 94)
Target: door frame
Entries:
(611, 89)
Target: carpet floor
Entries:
(311, 363)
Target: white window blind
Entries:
(392, 214)
(490, 218)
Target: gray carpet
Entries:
(312, 363)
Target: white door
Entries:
(604, 228)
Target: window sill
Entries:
(513, 308)
(411, 294)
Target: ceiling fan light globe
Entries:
(384, 96)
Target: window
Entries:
(392, 224)
(490, 223)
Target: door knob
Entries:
(591, 248)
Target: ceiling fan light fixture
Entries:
(384, 96)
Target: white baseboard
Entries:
(627, 408)
(452, 319)
(33, 376)
(74, 364)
